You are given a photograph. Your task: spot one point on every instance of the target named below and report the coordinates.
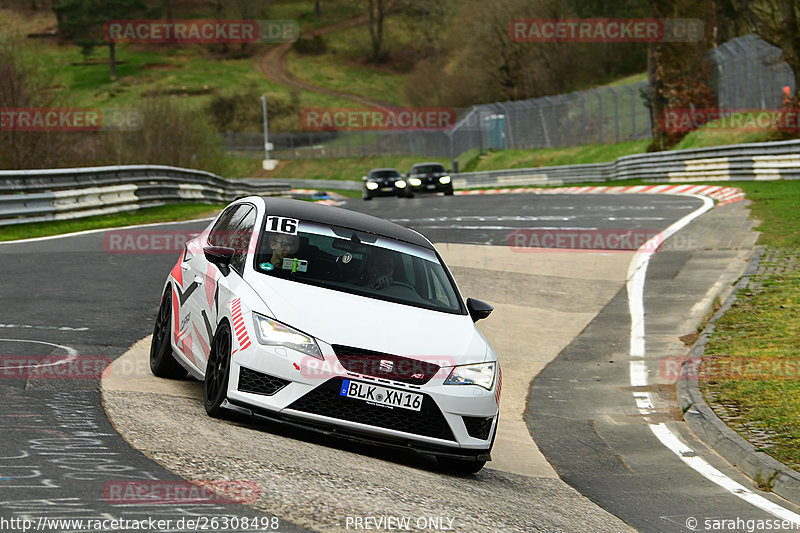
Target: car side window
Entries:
(215, 235)
(240, 239)
(221, 234)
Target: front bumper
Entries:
(384, 191)
(432, 185)
(456, 421)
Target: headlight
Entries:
(273, 333)
(371, 185)
(481, 374)
(444, 180)
(400, 184)
(415, 182)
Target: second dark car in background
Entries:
(429, 177)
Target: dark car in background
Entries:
(384, 182)
(429, 177)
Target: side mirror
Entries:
(364, 178)
(478, 309)
(220, 256)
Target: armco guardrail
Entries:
(754, 161)
(343, 185)
(40, 195)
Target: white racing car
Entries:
(334, 320)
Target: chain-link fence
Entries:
(750, 73)
(597, 116)
(326, 144)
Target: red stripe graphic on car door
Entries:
(238, 324)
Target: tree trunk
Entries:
(112, 60)
(377, 12)
(654, 97)
(317, 11)
(790, 40)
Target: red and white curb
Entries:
(723, 195)
(328, 201)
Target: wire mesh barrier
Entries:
(327, 144)
(748, 74)
(596, 116)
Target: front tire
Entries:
(218, 368)
(162, 360)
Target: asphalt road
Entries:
(75, 296)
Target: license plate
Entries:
(383, 396)
(386, 189)
(431, 186)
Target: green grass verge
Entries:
(545, 157)
(777, 205)
(752, 360)
(345, 193)
(164, 213)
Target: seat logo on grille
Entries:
(386, 366)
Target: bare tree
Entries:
(377, 10)
(23, 84)
(778, 23)
(679, 73)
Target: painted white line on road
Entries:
(48, 328)
(699, 464)
(637, 271)
(72, 354)
(100, 230)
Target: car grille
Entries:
(386, 366)
(258, 383)
(326, 401)
(478, 427)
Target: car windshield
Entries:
(428, 169)
(357, 263)
(384, 174)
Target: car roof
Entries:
(336, 216)
(426, 164)
(383, 170)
